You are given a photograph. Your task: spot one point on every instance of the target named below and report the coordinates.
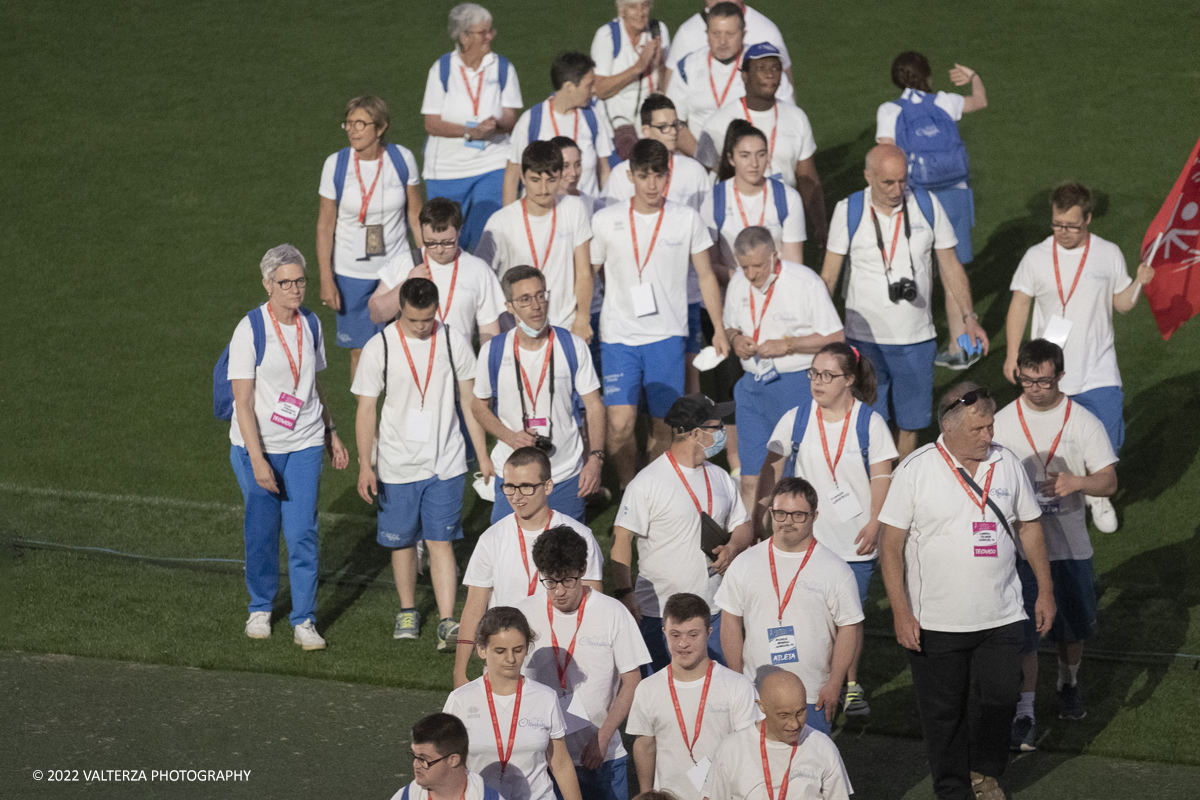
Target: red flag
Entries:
(1173, 246)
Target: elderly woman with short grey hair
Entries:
(471, 102)
(279, 430)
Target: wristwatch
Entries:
(970, 315)
(597, 453)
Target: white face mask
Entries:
(530, 332)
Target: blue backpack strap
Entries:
(589, 116)
(314, 325)
(679, 68)
(568, 346)
(862, 427)
(854, 211)
(339, 173)
(798, 428)
(719, 205)
(925, 203)
(444, 71)
(502, 65)
(495, 356)
(404, 796)
(259, 329)
(780, 193)
(488, 794)
(399, 163)
(615, 28)
(535, 123)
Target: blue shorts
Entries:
(627, 368)
(816, 719)
(430, 510)
(480, 196)
(695, 337)
(863, 570)
(354, 326)
(1107, 403)
(960, 211)
(905, 376)
(608, 782)
(759, 408)
(1074, 594)
(564, 498)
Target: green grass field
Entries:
(153, 153)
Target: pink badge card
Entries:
(983, 537)
(287, 411)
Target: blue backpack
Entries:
(444, 70)
(222, 386)
(535, 122)
(937, 157)
(777, 188)
(343, 163)
(614, 28)
(862, 426)
(488, 793)
(564, 337)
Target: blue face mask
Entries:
(528, 331)
(718, 444)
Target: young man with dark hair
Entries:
(1066, 455)
(567, 112)
(422, 457)
(713, 702)
(439, 747)
(589, 651)
(692, 34)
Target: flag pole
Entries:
(1149, 262)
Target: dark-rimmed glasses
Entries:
(798, 517)
(567, 583)
(526, 489)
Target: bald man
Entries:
(890, 232)
(802, 759)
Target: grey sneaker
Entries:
(305, 634)
(1023, 735)
(259, 625)
(447, 635)
(854, 701)
(955, 361)
(408, 625)
(1070, 703)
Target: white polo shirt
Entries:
(728, 707)
(816, 773)
(785, 123)
(692, 35)
(505, 244)
(574, 126)
(273, 377)
(468, 292)
(452, 157)
(852, 476)
(539, 721)
(799, 306)
(1090, 355)
(959, 580)
(607, 644)
(681, 234)
(475, 788)
(870, 315)
(698, 87)
(418, 437)
(567, 460)
(623, 107)
(388, 207)
(660, 513)
(759, 208)
(1083, 449)
(496, 561)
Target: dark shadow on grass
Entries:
(357, 559)
(1158, 448)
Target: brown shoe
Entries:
(986, 788)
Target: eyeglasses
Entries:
(720, 426)
(1041, 383)
(355, 125)
(968, 399)
(1062, 226)
(526, 300)
(526, 489)
(799, 517)
(667, 127)
(286, 285)
(426, 763)
(566, 583)
(824, 377)
(446, 245)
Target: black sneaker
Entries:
(1023, 735)
(1070, 702)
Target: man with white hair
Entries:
(630, 54)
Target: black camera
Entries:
(903, 289)
(544, 444)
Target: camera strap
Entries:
(883, 254)
(520, 379)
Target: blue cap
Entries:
(760, 50)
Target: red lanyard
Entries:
(637, 259)
(562, 670)
(412, 366)
(512, 731)
(529, 235)
(299, 345)
(699, 712)
(1078, 272)
(787, 597)
(774, 127)
(478, 89)
(649, 73)
(981, 502)
(541, 378)
(554, 122)
(1029, 436)
(762, 746)
(720, 100)
(766, 302)
(707, 485)
(453, 281)
(533, 577)
(763, 215)
(887, 264)
(366, 196)
(841, 444)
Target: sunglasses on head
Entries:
(968, 399)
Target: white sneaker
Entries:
(307, 637)
(259, 625)
(1104, 516)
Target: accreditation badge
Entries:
(287, 411)
(781, 644)
(373, 244)
(984, 540)
(766, 371)
(642, 297)
(418, 425)
(844, 503)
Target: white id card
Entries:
(766, 372)
(781, 644)
(417, 425)
(984, 539)
(474, 144)
(539, 425)
(642, 295)
(699, 773)
(287, 411)
(1049, 505)
(360, 243)
(845, 504)
(574, 714)
(1057, 330)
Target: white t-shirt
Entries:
(505, 244)
(527, 776)
(1090, 355)
(693, 93)
(690, 182)
(693, 35)
(728, 707)
(889, 112)
(660, 513)
(829, 529)
(759, 208)
(496, 561)
(793, 136)
(817, 772)
(800, 306)
(451, 157)
(1083, 449)
(623, 107)
(417, 438)
(607, 644)
(475, 788)
(388, 207)
(825, 598)
(870, 315)
(274, 377)
(567, 459)
(957, 580)
(467, 284)
(681, 234)
(574, 126)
